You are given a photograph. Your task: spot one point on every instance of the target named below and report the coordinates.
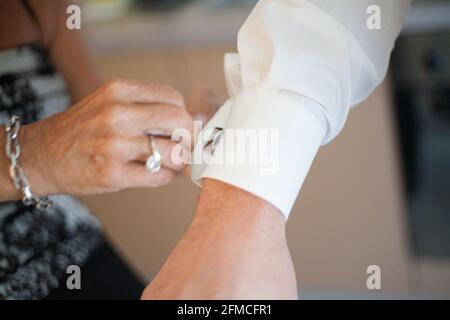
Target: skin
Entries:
(106, 147)
(235, 248)
(65, 47)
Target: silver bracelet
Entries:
(15, 170)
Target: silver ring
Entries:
(153, 163)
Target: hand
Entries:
(101, 144)
(235, 248)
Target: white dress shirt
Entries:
(301, 66)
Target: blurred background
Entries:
(379, 194)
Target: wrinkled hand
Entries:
(101, 144)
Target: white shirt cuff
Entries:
(289, 129)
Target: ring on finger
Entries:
(153, 163)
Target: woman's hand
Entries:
(101, 144)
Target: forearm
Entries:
(235, 248)
(70, 56)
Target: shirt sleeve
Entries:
(301, 65)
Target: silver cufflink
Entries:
(211, 144)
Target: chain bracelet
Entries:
(16, 172)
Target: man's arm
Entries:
(301, 66)
(235, 248)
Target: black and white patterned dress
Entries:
(37, 247)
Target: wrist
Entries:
(34, 160)
(238, 212)
(235, 248)
(7, 190)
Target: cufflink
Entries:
(211, 144)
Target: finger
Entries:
(137, 176)
(160, 119)
(202, 104)
(187, 171)
(174, 155)
(131, 91)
